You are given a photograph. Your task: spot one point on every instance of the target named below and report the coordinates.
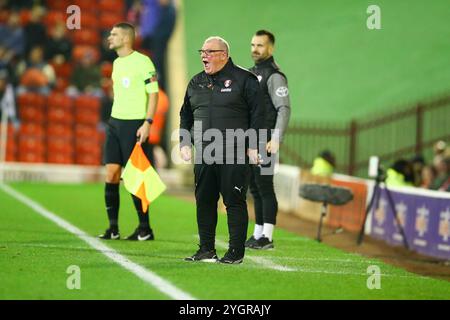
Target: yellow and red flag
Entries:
(141, 179)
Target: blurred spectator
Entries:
(417, 163)
(35, 30)
(24, 4)
(442, 179)
(134, 13)
(86, 77)
(324, 164)
(157, 24)
(12, 35)
(441, 151)
(59, 47)
(428, 175)
(6, 56)
(400, 174)
(36, 74)
(7, 101)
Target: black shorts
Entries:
(120, 141)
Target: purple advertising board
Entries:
(424, 216)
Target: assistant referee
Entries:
(135, 98)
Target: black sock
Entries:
(112, 201)
(144, 222)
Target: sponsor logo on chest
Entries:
(227, 84)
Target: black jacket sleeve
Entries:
(186, 120)
(254, 99)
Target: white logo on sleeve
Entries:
(282, 92)
(126, 82)
(259, 78)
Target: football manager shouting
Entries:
(221, 98)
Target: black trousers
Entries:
(265, 200)
(231, 181)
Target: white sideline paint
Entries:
(266, 263)
(146, 275)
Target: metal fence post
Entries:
(419, 129)
(352, 147)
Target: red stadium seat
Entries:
(88, 159)
(60, 158)
(29, 113)
(55, 16)
(106, 69)
(112, 6)
(59, 100)
(88, 152)
(87, 102)
(87, 116)
(59, 145)
(79, 51)
(11, 155)
(84, 131)
(87, 146)
(31, 156)
(60, 5)
(61, 85)
(60, 115)
(31, 99)
(86, 37)
(86, 5)
(32, 129)
(59, 130)
(90, 20)
(108, 20)
(25, 16)
(63, 70)
(31, 144)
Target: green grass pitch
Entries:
(35, 254)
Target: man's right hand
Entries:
(186, 153)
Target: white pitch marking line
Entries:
(260, 260)
(146, 275)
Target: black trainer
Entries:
(250, 242)
(232, 256)
(141, 235)
(110, 234)
(203, 255)
(263, 243)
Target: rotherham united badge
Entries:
(227, 83)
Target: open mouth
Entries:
(205, 63)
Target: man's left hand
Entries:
(143, 132)
(272, 146)
(253, 156)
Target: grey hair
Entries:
(222, 41)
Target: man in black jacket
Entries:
(277, 110)
(223, 108)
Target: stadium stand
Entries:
(58, 128)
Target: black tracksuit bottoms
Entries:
(231, 181)
(265, 200)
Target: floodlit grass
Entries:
(35, 254)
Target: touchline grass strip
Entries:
(146, 275)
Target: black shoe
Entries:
(263, 243)
(141, 235)
(232, 256)
(110, 234)
(250, 242)
(203, 255)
